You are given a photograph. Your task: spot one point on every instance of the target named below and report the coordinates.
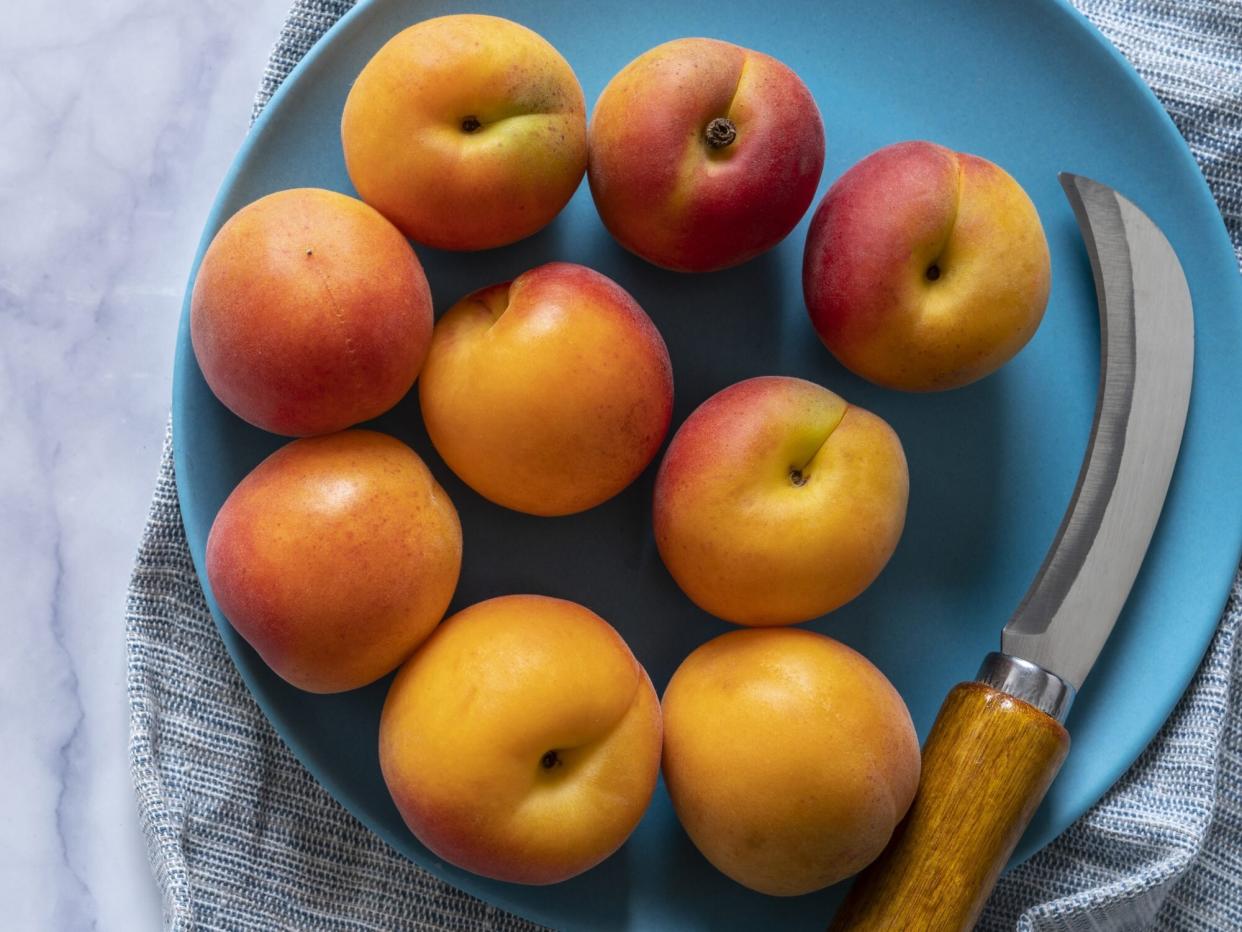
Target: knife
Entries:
(999, 741)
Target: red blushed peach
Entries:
(522, 741)
(704, 154)
(777, 502)
(466, 131)
(925, 269)
(548, 394)
(310, 313)
(335, 557)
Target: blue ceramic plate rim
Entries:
(197, 521)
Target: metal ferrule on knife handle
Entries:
(1029, 682)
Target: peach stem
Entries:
(720, 132)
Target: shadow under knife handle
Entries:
(987, 763)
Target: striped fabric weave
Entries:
(241, 837)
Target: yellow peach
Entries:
(777, 501)
(310, 313)
(522, 741)
(548, 394)
(925, 269)
(466, 131)
(788, 756)
(335, 557)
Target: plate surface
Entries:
(1029, 85)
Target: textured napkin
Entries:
(241, 837)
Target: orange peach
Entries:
(777, 502)
(548, 394)
(704, 154)
(522, 741)
(788, 756)
(310, 313)
(466, 131)
(925, 269)
(335, 557)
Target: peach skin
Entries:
(466, 131)
(777, 502)
(788, 756)
(704, 154)
(310, 313)
(925, 269)
(548, 394)
(522, 741)
(335, 557)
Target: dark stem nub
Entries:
(933, 272)
(720, 132)
(470, 124)
(796, 477)
(549, 760)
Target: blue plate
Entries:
(1030, 85)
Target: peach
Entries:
(466, 131)
(522, 741)
(777, 502)
(788, 756)
(310, 313)
(335, 557)
(925, 269)
(548, 394)
(704, 154)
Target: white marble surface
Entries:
(117, 121)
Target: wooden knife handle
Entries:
(986, 765)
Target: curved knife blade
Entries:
(1146, 364)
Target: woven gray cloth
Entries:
(241, 836)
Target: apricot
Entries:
(788, 756)
(466, 131)
(310, 313)
(548, 394)
(777, 501)
(335, 557)
(522, 741)
(925, 269)
(704, 154)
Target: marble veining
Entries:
(118, 121)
